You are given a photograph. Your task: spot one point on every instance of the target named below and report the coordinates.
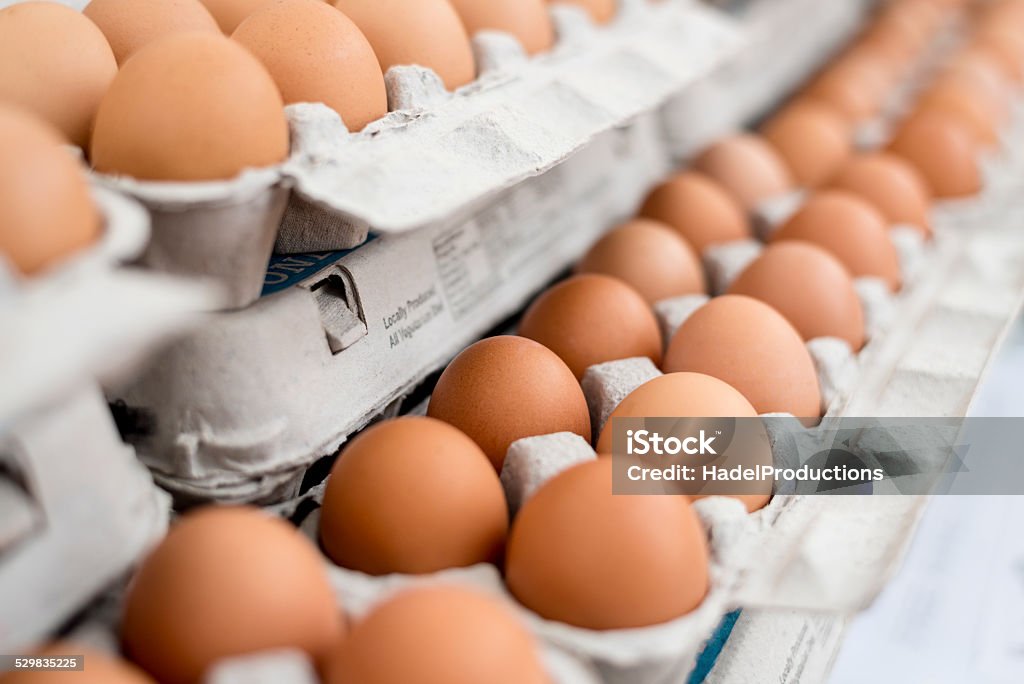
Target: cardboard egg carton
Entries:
(66, 534)
(728, 97)
(438, 158)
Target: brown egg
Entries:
(1006, 45)
(230, 13)
(129, 24)
(578, 554)
(966, 103)
(56, 64)
(687, 395)
(505, 388)
(227, 581)
(527, 20)
(699, 209)
(316, 54)
(46, 211)
(982, 71)
(99, 668)
(590, 319)
(851, 229)
(601, 11)
(190, 107)
(812, 138)
(891, 185)
(427, 33)
(438, 635)
(853, 88)
(749, 345)
(747, 167)
(808, 286)
(942, 149)
(413, 495)
(650, 257)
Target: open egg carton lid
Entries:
(61, 325)
(444, 154)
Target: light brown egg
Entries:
(56, 64)
(316, 54)
(966, 103)
(985, 74)
(854, 88)
(99, 668)
(891, 185)
(46, 211)
(650, 257)
(812, 138)
(413, 495)
(810, 287)
(527, 20)
(590, 319)
(190, 107)
(230, 13)
(130, 24)
(943, 151)
(851, 229)
(689, 395)
(747, 167)
(749, 345)
(441, 634)
(578, 554)
(427, 33)
(227, 581)
(699, 209)
(505, 388)
(601, 11)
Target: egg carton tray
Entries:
(438, 158)
(62, 542)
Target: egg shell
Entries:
(527, 20)
(751, 346)
(426, 33)
(56, 64)
(851, 229)
(648, 256)
(316, 54)
(46, 210)
(747, 167)
(505, 388)
(810, 287)
(582, 556)
(438, 635)
(891, 185)
(230, 13)
(99, 668)
(601, 11)
(813, 139)
(227, 581)
(943, 151)
(698, 209)
(413, 496)
(853, 88)
(966, 103)
(193, 106)
(130, 24)
(590, 319)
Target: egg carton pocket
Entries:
(220, 231)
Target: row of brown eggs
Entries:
(416, 495)
(156, 91)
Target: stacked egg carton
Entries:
(346, 334)
(78, 509)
